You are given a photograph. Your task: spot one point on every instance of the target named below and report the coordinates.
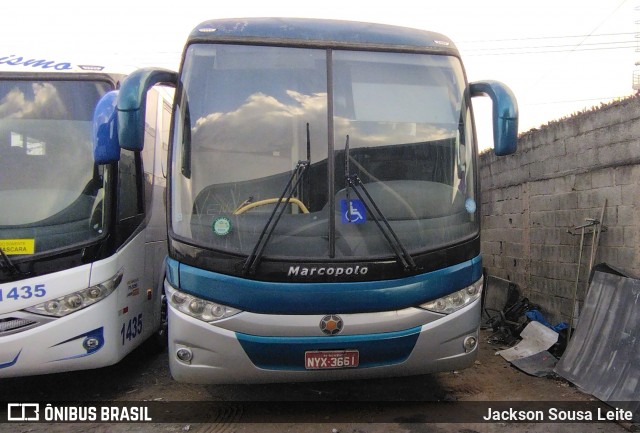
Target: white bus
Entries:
(82, 240)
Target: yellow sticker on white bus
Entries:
(18, 246)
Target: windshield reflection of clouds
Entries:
(45, 151)
(46, 103)
(236, 130)
(260, 112)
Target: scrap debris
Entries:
(507, 313)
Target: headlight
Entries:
(76, 301)
(200, 309)
(456, 300)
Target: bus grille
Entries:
(11, 325)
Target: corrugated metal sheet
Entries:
(603, 356)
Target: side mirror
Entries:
(106, 147)
(131, 104)
(505, 114)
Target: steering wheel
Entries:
(246, 207)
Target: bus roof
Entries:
(320, 33)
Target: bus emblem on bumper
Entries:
(331, 324)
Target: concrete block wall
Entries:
(561, 175)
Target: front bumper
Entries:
(260, 348)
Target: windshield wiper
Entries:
(8, 265)
(306, 184)
(354, 182)
(252, 262)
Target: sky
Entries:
(559, 57)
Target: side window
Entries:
(150, 133)
(135, 173)
(166, 126)
(130, 192)
(148, 151)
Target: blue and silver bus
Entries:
(323, 209)
(82, 240)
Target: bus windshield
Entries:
(258, 127)
(50, 189)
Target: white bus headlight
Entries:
(200, 309)
(456, 300)
(76, 301)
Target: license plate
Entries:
(327, 359)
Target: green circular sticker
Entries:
(221, 226)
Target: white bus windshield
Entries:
(49, 184)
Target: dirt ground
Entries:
(308, 407)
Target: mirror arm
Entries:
(505, 114)
(131, 106)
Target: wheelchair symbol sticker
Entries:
(356, 215)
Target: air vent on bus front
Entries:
(13, 324)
